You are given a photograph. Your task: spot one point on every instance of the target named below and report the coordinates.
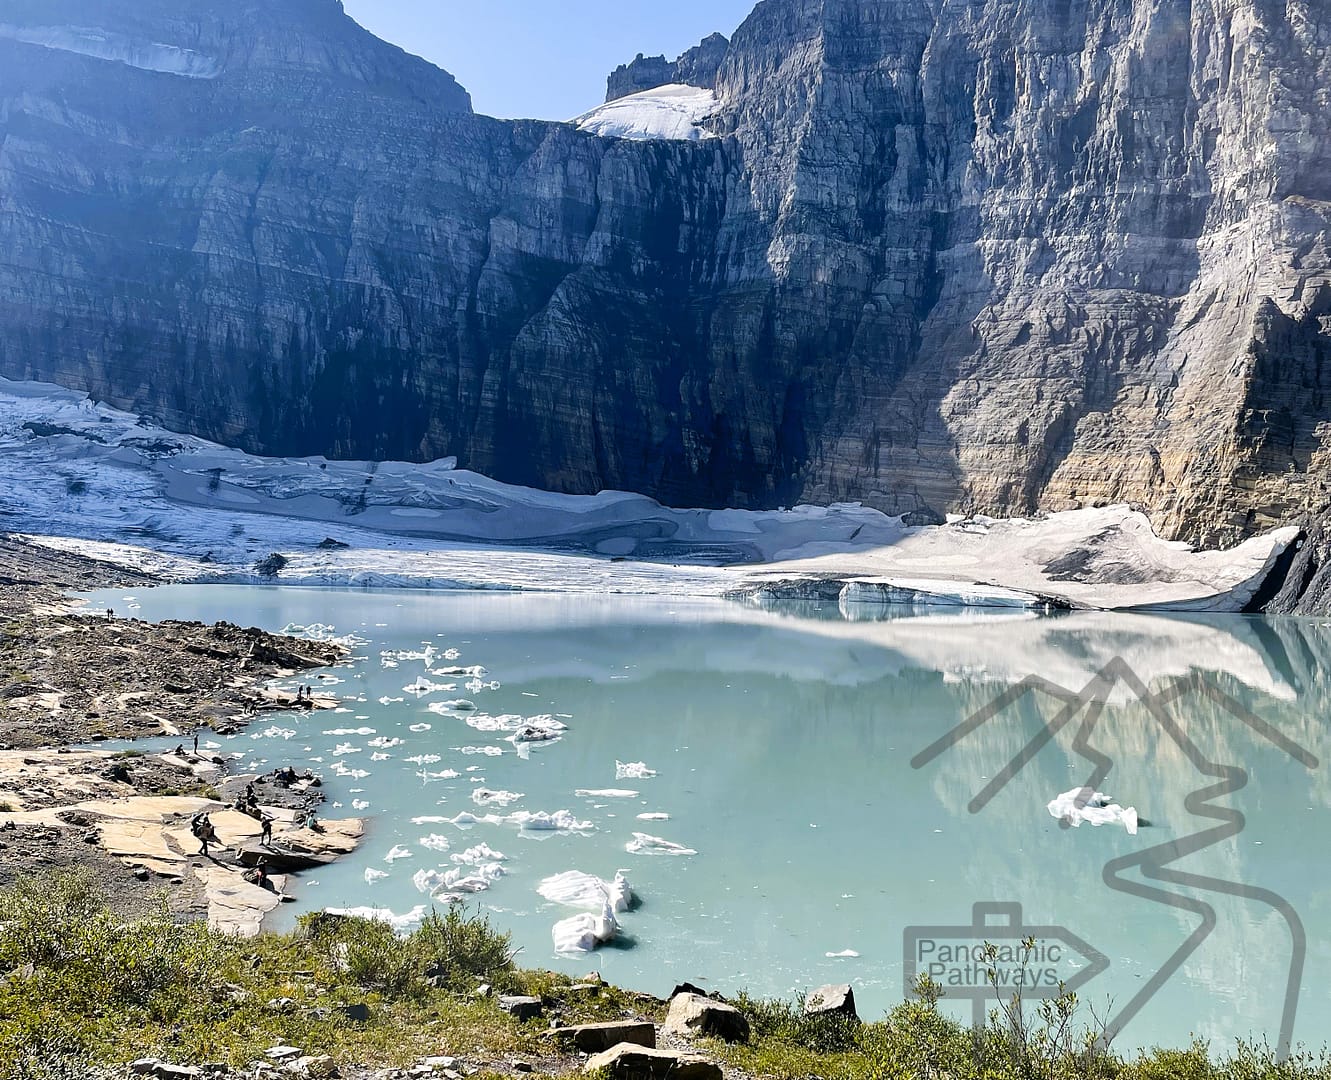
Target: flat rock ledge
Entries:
(150, 834)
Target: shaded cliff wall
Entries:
(940, 255)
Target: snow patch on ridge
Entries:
(105, 45)
(673, 111)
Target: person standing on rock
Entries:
(196, 742)
(266, 832)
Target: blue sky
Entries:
(543, 58)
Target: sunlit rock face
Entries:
(937, 256)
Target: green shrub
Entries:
(459, 949)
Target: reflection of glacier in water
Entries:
(781, 741)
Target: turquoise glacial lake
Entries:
(790, 748)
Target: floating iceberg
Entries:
(559, 820)
(643, 844)
(435, 842)
(372, 875)
(605, 793)
(478, 855)
(573, 888)
(585, 932)
(398, 852)
(632, 770)
(453, 884)
(1096, 809)
(486, 797)
(400, 923)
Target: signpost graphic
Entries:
(998, 953)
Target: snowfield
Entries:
(673, 111)
(82, 476)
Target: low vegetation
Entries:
(82, 988)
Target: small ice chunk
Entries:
(398, 852)
(644, 844)
(605, 793)
(372, 875)
(1096, 808)
(654, 815)
(844, 954)
(486, 797)
(435, 842)
(632, 770)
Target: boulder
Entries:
(691, 1015)
(597, 1038)
(315, 1066)
(628, 1061)
(835, 999)
(524, 1008)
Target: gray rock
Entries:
(835, 999)
(691, 1015)
(628, 1061)
(697, 67)
(315, 1066)
(597, 1038)
(357, 1011)
(522, 1007)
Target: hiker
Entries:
(196, 742)
(202, 828)
(266, 833)
(179, 751)
(249, 792)
(300, 694)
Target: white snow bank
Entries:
(1096, 809)
(673, 111)
(106, 45)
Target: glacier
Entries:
(673, 111)
(81, 476)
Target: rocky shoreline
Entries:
(70, 677)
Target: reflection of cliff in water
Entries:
(1192, 866)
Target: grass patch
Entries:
(86, 991)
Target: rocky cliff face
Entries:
(938, 255)
(697, 67)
